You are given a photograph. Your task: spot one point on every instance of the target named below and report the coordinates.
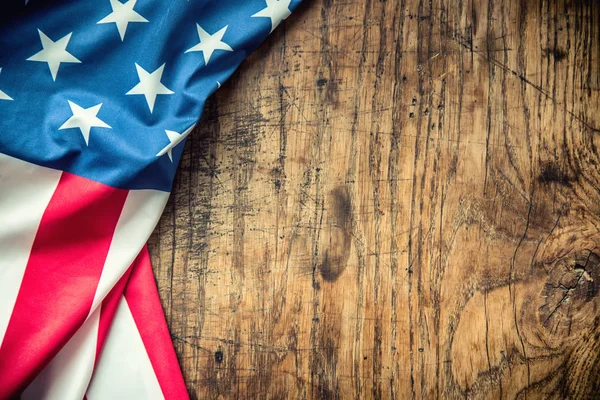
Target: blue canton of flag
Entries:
(109, 90)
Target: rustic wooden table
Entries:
(395, 199)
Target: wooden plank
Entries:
(395, 199)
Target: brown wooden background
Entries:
(395, 199)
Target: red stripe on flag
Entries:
(143, 301)
(61, 277)
(107, 311)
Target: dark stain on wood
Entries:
(552, 173)
(339, 229)
(218, 356)
(557, 53)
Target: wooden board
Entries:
(395, 199)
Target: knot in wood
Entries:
(571, 295)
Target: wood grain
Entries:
(395, 199)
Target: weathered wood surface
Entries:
(395, 199)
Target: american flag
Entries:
(96, 101)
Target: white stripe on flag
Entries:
(25, 191)
(140, 215)
(124, 370)
(69, 373)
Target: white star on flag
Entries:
(84, 119)
(209, 43)
(54, 53)
(122, 15)
(277, 10)
(4, 96)
(150, 85)
(174, 138)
